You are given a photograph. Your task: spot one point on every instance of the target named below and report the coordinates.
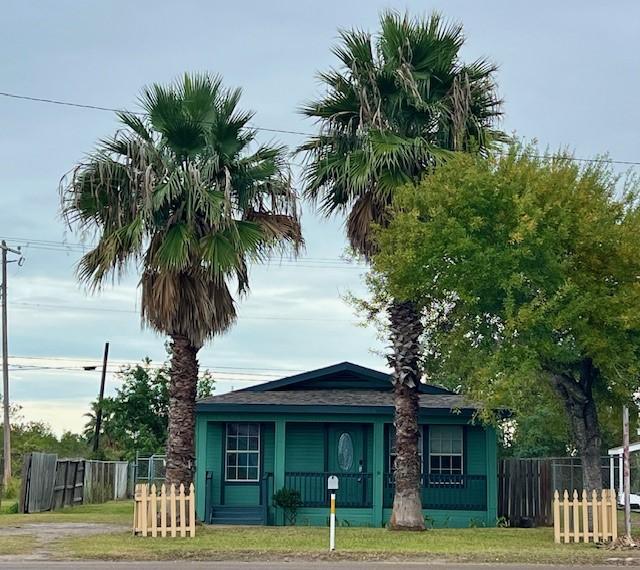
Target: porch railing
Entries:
(445, 492)
(355, 488)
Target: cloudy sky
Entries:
(568, 76)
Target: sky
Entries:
(568, 74)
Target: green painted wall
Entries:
(475, 452)
(296, 443)
(304, 447)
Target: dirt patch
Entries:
(46, 534)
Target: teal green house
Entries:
(297, 431)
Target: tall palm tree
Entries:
(178, 193)
(397, 105)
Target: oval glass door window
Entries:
(345, 452)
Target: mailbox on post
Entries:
(332, 485)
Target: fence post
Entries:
(576, 517)
(163, 510)
(614, 513)
(183, 525)
(605, 516)
(172, 505)
(595, 516)
(585, 516)
(154, 511)
(143, 510)
(192, 511)
(565, 506)
(556, 517)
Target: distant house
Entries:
(338, 420)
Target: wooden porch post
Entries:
(201, 466)
(492, 475)
(279, 463)
(377, 470)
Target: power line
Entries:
(239, 376)
(115, 110)
(257, 128)
(152, 364)
(303, 262)
(53, 306)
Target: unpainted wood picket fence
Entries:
(166, 513)
(584, 520)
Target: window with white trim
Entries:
(445, 450)
(242, 452)
(392, 447)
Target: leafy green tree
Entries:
(528, 269)
(135, 419)
(398, 103)
(180, 194)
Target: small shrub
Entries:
(289, 500)
(502, 522)
(12, 490)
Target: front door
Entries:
(346, 459)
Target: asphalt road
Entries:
(342, 565)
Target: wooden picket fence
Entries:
(584, 520)
(165, 513)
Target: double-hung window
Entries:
(445, 450)
(242, 452)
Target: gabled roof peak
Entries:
(344, 375)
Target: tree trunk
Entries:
(182, 412)
(580, 406)
(406, 328)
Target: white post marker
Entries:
(332, 485)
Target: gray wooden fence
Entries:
(49, 483)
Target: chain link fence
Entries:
(150, 469)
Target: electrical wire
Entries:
(258, 128)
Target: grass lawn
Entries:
(23, 544)
(113, 512)
(477, 545)
(217, 542)
(7, 505)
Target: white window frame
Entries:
(237, 452)
(392, 431)
(440, 454)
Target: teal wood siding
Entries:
(475, 451)
(268, 442)
(241, 495)
(214, 462)
(301, 448)
(304, 449)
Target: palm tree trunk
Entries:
(182, 411)
(406, 328)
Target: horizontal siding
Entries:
(304, 448)
(214, 458)
(475, 451)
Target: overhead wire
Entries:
(74, 104)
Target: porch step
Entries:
(237, 515)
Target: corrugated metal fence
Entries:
(49, 483)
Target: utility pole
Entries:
(5, 364)
(96, 439)
(627, 472)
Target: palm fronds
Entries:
(398, 104)
(181, 195)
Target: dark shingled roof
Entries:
(335, 397)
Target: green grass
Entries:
(113, 512)
(473, 545)
(7, 506)
(18, 544)
(217, 542)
